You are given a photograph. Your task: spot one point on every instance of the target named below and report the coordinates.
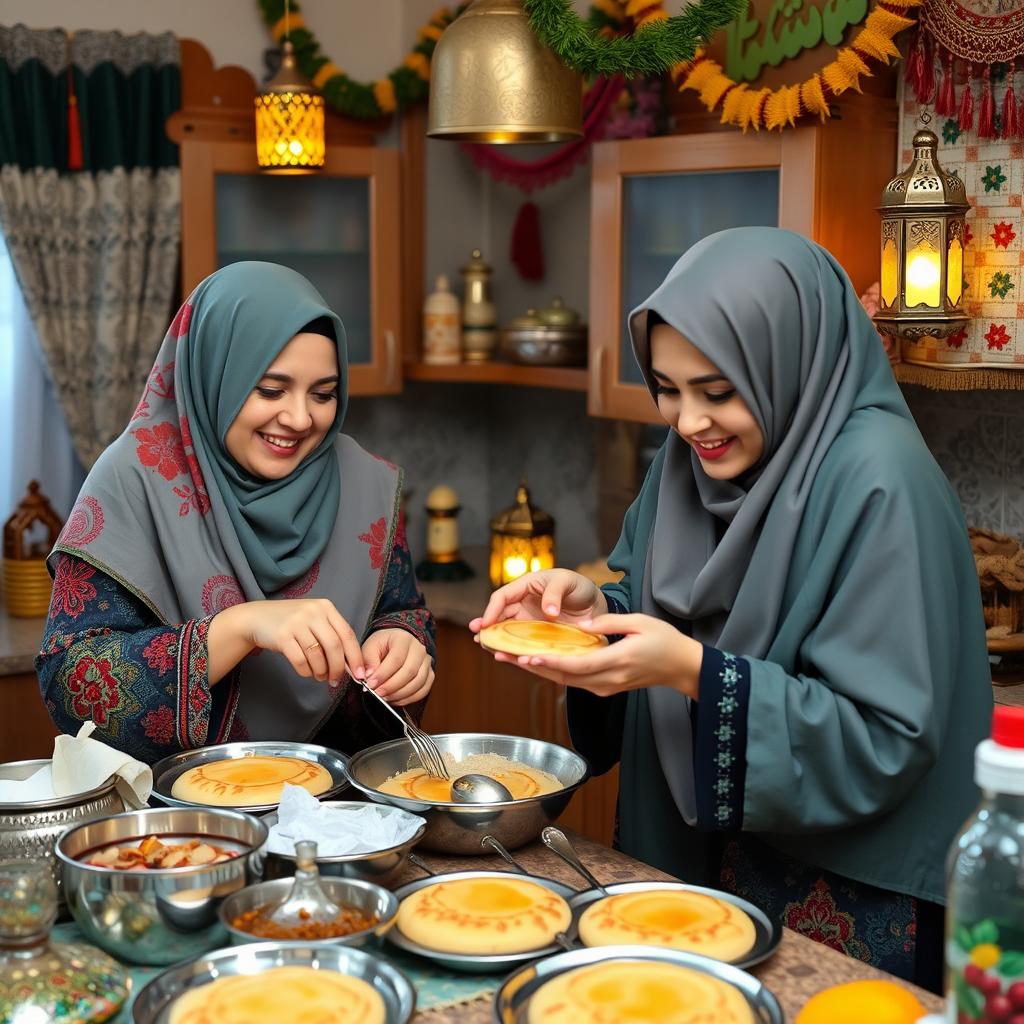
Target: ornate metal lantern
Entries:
(922, 288)
(522, 540)
(289, 121)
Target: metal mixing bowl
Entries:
(458, 828)
(380, 866)
(364, 896)
(30, 829)
(164, 915)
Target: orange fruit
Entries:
(857, 1002)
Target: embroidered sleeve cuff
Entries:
(720, 760)
(417, 621)
(195, 717)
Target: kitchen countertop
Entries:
(19, 642)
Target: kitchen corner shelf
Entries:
(982, 378)
(565, 378)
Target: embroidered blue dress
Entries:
(105, 657)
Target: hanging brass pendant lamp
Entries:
(492, 80)
(289, 121)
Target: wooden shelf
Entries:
(566, 378)
(960, 378)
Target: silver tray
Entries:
(511, 1001)
(166, 772)
(484, 963)
(153, 1003)
(767, 933)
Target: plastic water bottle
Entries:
(985, 913)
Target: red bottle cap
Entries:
(1008, 726)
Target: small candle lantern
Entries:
(922, 249)
(443, 561)
(26, 580)
(522, 540)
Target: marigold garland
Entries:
(747, 107)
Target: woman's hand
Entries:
(650, 653)
(311, 634)
(398, 666)
(557, 594)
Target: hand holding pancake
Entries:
(650, 653)
(398, 666)
(558, 595)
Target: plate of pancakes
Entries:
(592, 986)
(518, 637)
(675, 915)
(248, 776)
(481, 921)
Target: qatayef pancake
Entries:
(299, 995)
(249, 781)
(637, 992)
(482, 916)
(530, 636)
(692, 921)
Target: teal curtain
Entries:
(93, 229)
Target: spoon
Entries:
(555, 840)
(479, 789)
(307, 901)
(500, 850)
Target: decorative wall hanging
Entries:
(745, 106)
(969, 40)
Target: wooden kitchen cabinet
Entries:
(25, 728)
(651, 199)
(340, 227)
(475, 693)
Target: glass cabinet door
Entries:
(338, 227)
(319, 227)
(664, 214)
(651, 200)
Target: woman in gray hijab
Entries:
(800, 673)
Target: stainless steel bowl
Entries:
(511, 1001)
(158, 916)
(545, 346)
(380, 866)
(166, 772)
(364, 896)
(458, 828)
(154, 1001)
(30, 829)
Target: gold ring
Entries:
(315, 643)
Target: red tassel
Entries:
(76, 160)
(966, 114)
(927, 92)
(986, 113)
(1010, 127)
(914, 73)
(945, 102)
(527, 251)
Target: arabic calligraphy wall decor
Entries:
(744, 105)
(960, 42)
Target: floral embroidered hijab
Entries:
(171, 516)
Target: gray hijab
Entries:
(777, 315)
(169, 514)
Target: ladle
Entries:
(555, 840)
(479, 789)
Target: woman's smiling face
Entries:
(701, 405)
(289, 411)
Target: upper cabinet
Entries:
(339, 227)
(651, 199)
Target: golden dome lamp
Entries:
(492, 80)
(290, 134)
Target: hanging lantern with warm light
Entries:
(289, 118)
(923, 233)
(522, 540)
(492, 80)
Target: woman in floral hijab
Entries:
(233, 560)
